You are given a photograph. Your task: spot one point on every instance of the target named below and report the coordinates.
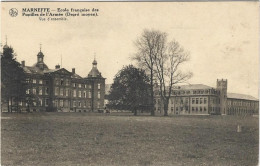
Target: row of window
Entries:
(62, 82)
(60, 103)
(242, 103)
(76, 93)
(40, 102)
(212, 91)
(35, 81)
(202, 100)
(39, 91)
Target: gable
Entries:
(61, 71)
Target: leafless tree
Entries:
(163, 60)
(168, 61)
(147, 47)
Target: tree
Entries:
(163, 59)
(130, 89)
(168, 61)
(12, 79)
(146, 46)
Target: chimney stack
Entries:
(57, 66)
(23, 63)
(73, 70)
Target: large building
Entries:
(203, 99)
(61, 90)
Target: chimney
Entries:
(23, 63)
(57, 66)
(73, 70)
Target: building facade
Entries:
(199, 99)
(61, 90)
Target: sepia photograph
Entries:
(129, 83)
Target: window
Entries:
(98, 95)
(56, 103)
(89, 86)
(34, 81)
(67, 82)
(34, 91)
(61, 103)
(74, 104)
(205, 100)
(98, 86)
(74, 84)
(27, 80)
(193, 101)
(201, 101)
(56, 91)
(79, 104)
(57, 82)
(67, 92)
(40, 81)
(85, 94)
(98, 104)
(74, 93)
(89, 94)
(197, 100)
(61, 82)
(40, 90)
(79, 93)
(85, 86)
(27, 91)
(46, 91)
(196, 109)
(205, 109)
(40, 102)
(61, 91)
(200, 109)
(192, 109)
(46, 102)
(79, 85)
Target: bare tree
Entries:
(167, 63)
(147, 47)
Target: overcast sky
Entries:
(222, 37)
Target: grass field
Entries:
(121, 139)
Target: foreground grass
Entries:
(97, 139)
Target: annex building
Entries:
(62, 90)
(203, 99)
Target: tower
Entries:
(98, 87)
(222, 87)
(40, 63)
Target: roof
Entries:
(36, 70)
(241, 96)
(192, 87)
(94, 72)
(76, 76)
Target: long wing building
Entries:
(202, 99)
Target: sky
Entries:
(222, 37)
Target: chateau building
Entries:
(203, 99)
(61, 90)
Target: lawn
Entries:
(122, 139)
